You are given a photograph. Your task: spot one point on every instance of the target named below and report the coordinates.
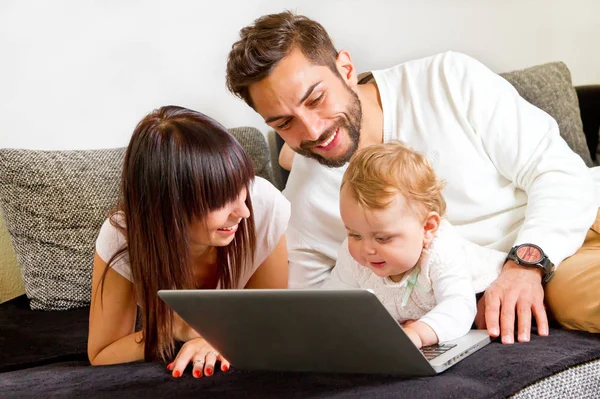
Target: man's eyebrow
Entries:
(304, 97)
(309, 92)
(274, 118)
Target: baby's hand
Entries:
(420, 333)
(406, 323)
(414, 336)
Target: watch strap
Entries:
(545, 264)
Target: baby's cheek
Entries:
(355, 253)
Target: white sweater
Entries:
(440, 291)
(510, 177)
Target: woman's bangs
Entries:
(227, 173)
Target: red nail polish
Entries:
(169, 366)
(176, 373)
(197, 373)
(209, 371)
(224, 367)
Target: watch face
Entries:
(529, 253)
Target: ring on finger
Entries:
(199, 361)
(213, 352)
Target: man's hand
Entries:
(517, 290)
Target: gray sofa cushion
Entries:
(256, 147)
(54, 203)
(549, 88)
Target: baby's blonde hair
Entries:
(378, 172)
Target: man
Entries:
(512, 182)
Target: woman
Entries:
(191, 215)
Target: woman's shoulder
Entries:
(110, 237)
(271, 212)
(268, 200)
(262, 188)
(111, 240)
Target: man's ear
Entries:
(430, 227)
(346, 68)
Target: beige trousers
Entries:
(573, 293)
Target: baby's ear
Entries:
(430, 227)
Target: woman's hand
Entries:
(202, 356)
(182, 330)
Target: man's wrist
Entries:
(528, 271)
(532, 256)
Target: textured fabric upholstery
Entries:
(549, 88)
(257, 148)
(580, 382)
(54, 203)
(496, 371)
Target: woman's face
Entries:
(219, 227)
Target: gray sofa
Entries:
(53, 203)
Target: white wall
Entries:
(81, 73)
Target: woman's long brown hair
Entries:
(179, 166)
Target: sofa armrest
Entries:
(589, 107)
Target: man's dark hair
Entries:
(265, 43)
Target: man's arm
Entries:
(524, 144)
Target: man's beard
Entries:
(351, 123)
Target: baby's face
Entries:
(388, 241)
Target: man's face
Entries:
(312, 108)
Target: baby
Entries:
(400, 246)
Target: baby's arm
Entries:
(453, 315)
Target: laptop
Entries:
(341, 331)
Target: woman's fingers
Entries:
(211, 359)
(181, 361)
(198, 366)
(225, 365)
(202, 356)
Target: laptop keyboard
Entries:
(433, 351)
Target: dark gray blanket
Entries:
(495, 371)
